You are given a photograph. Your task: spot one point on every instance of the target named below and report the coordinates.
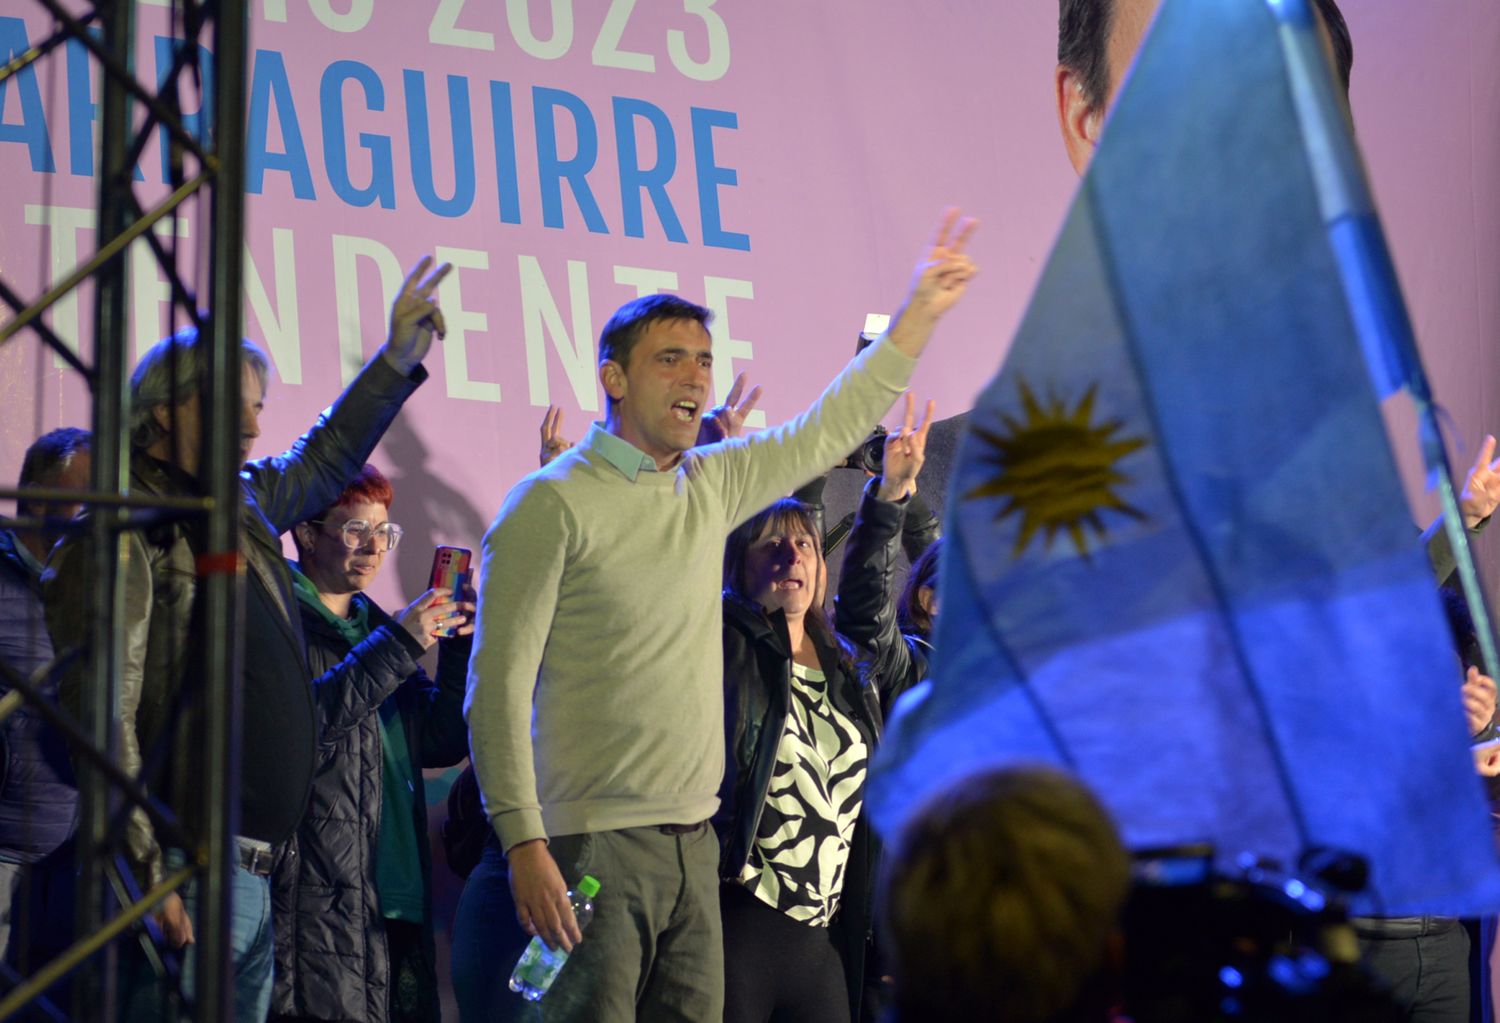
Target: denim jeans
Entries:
(251, 955)
(487, 941)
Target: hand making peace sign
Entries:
(415, 317)
(728, 419)
(1482, 489)
(905, 451)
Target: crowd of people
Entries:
(700, 753)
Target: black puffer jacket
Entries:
(331, 957)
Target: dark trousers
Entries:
(777, 968)
(1428, 974)
(652, 953)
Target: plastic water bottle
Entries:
(539, 965)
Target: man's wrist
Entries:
(525, 848)
(910, 331)
(517, 826)
(892, 491)
(401, 365)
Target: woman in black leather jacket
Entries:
(802, 717)
(800, 724)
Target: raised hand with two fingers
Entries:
(944, 272)
(553, 441)
(728, 419)
(905, 451)
(1481, 494)
(415, 316)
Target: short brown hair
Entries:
(1001, 898)
(630, 321)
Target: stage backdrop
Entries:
(780, 162)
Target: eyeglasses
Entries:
(357, 532)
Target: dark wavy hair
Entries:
(910, 614)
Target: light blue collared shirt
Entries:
(28, 559)
(618, 452)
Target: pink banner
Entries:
(779, 162)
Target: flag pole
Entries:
(1375, 301)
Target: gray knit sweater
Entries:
(595, 697)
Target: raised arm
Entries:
(759, 469)
(355, 687)
(299, 483)
(865, 606)
(445, 736)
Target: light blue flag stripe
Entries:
(1249, 650)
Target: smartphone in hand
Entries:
(450, 570)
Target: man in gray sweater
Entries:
(595, 699)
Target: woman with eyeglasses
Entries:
(351, 892)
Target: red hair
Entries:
(368, 487)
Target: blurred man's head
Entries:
(1002, 901)
(166, 415)
(1096, 42)
(57, 460)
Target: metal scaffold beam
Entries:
(207, 166)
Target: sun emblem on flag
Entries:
(1056, 469)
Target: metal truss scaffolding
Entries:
(209, 165)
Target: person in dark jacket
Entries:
(38, 794)
(892, 634)
(278, 720)
(834, 497)
(801, 721)
(351, 889)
